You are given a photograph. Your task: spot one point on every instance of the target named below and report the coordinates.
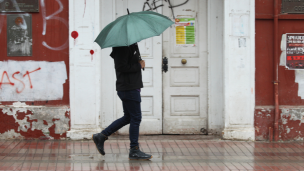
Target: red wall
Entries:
(56, 113)
(57, 34)
(288, 89)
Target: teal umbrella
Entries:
(134, 27)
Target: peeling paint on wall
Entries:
(287, 130)
(11, 134)
(263, 120)
(34, 122)
(300, 80)
(283, 49)
(291, 123)
(293, 114)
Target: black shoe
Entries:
(136, 154)
(99, 140)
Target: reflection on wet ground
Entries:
(170, 152)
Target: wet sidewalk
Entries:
(170, 153)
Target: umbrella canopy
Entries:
(132, 28)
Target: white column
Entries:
(85, 72)
(239, 69)
(215, 66)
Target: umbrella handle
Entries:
(128, 11)
(141, 60)
(137, 49)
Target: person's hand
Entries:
(142, 63)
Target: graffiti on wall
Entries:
(46, 18)
(155, 4)
(53, 16)
(31, 80)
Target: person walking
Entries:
(128, 86)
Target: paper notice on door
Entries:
(185, 31)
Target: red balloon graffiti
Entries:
(74, 34)
(91, 52)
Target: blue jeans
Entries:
(132, 115)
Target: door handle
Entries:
(165, 64)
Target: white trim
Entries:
(215, 74)
(80, 62)
(239, 69)
(79, 134)
(71, 61)
(98, 60)
(108, 78)
(239, 133)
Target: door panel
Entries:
(185, 85)
(151, 94)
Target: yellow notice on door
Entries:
(185, 31)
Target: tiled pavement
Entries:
(189, 153)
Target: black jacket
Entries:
(127, 67)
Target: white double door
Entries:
(174, 102)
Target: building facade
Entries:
(34, 69)
(279, 99)
(213, 92)
(219, 79)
